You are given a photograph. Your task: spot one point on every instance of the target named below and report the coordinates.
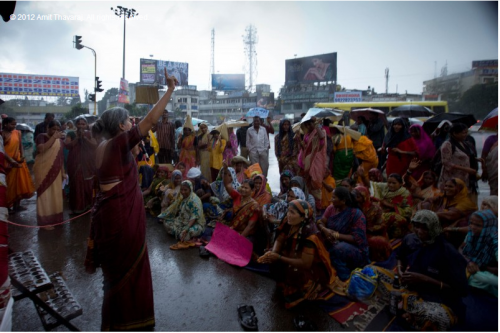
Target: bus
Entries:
(436, 106)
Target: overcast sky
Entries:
(409, 38)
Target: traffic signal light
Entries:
(78, 42)
(98, 85)
(92, 97)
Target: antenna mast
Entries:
(387, 80)
(249, 40)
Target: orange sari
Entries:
(188, 153)
(19, 183)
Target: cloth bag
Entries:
(362, 283)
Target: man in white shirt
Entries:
(258, 145)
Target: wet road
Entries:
(191, 293)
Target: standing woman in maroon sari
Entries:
(401, 148)
(81, 167)
(118, 233)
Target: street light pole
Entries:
(127, 13)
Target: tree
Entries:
(107, 95)
(479, 100)
(75, 111)
(136, 111)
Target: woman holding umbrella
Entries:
(400, 146)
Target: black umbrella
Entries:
(411, 111)
(432, 123)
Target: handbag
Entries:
(362, 283)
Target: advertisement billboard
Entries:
(265, 99)
(123, 94)
(227, 82)
(152, 71)
(347, 97)
(318, 68)
(38, 85)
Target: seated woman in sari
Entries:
(171, 190)
(275, 212)
(312, 158)
(240, 164)
(220, 205)
(153, 195)
(480, 249)
(396, 203)
(299, 261)
(285, 179)
(344, 226)
(376, 229)
(434, 272)
(246, 212)
(184, 218)
(298, 181)
(423, 189)
(453, 207)
(490, 202)
(261, 195)
(49, 173)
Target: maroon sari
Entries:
(81, 171)
(119, 235)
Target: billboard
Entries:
(38, 85)
(152, 71)
(123, 94)
(347, 97)
(265, 99)
(227, 82)
(316, 68)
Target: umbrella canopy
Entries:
(454, 117)
(411, 111)
(332, 114)
(236, 123)
(197, 121)
(490, 122)
(258, 112)
(24, 127)
(366, 113)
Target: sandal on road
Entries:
(247, 317)
(303, 324)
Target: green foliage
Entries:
(101, 105)
(135, 110)
(479, 100)
(76, 110)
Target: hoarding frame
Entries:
(39, 85)
(228, 82)
(304, 70)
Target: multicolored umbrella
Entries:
(490, 122)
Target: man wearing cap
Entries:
(258, 145)
(165, 134)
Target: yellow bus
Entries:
(436, 106)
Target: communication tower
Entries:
(249, 40)
(386, 80)
(212, 57)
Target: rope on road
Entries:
(45, 226)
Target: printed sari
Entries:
(48, 170)
(242, 214)
(181, 212)
(19, 183)
(188, 153)
(262, 196)
(286, 149)
(366, 154)
(298, 284)
(346, 256)
(397, 219)
(314, 164)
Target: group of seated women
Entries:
(446, 244)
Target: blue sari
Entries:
(344, 256)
